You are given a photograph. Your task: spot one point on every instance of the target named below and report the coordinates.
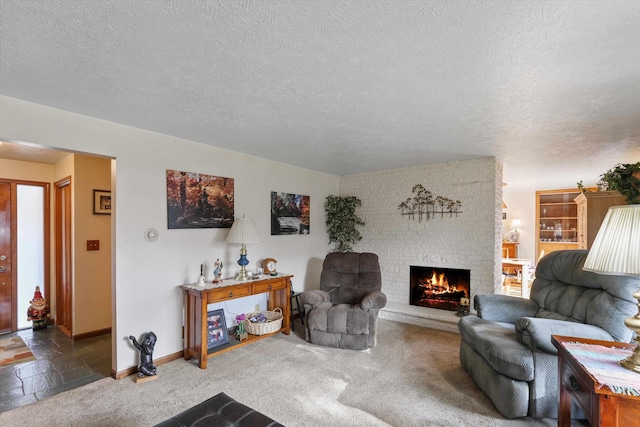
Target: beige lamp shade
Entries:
(243, 231)
(616, 248)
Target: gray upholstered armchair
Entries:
(344, 312)
(507, 348)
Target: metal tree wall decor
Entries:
(424, 205)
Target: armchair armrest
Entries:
(373, 300)
(313, 298)
(535, 333)
(503, 308)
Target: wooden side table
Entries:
(196, 300)
(600, 404)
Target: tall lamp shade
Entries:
(616, 250)
(243, 231)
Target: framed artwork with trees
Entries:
(196, 200)
(290, 213)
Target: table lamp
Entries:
(616, 250)
(243, 231)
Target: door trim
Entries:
(64, 270)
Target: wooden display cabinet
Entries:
(557, 220)
(592, 208)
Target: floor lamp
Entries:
(616, 250)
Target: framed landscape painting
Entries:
(289, 213)
(196, 200)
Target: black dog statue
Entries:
(146, 366)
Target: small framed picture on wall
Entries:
(101, 202)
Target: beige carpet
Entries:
(412, 378)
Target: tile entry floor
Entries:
(61, 364)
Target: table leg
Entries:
(564, 410)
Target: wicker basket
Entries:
(273, 323)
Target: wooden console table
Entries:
(600, 404)
(195, 307)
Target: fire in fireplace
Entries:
(439, 287)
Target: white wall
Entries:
(469, 241)
(147, 275)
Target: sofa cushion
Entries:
(347, 277)
(496, 342)
(564, 291)
(340, 318)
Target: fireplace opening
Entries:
(436, 287)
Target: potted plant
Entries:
(342, 221)
(624, 178)
(241, 333)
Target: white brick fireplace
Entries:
(470, 240)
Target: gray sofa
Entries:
(507, 347)
(344, 312)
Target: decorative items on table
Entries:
(201, 281)
(217, 271)
(38, 311)
(263, 322)
(616, 250)
(146, 368)
(514, 236)
(270, 266)
(243, 231)
(241, 333)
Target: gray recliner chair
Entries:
(344, 312)
(507, 348)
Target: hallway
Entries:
(61, 364)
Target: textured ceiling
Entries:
(344, 86)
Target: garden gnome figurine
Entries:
(38, 311)
(146, 368)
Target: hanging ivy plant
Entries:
(626, 179)
(342, 221)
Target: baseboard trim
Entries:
(134, 369)
(91, 334)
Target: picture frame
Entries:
(101, 202)
(514, 237)
(217, 333)
(196, 200)
(290, 214)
